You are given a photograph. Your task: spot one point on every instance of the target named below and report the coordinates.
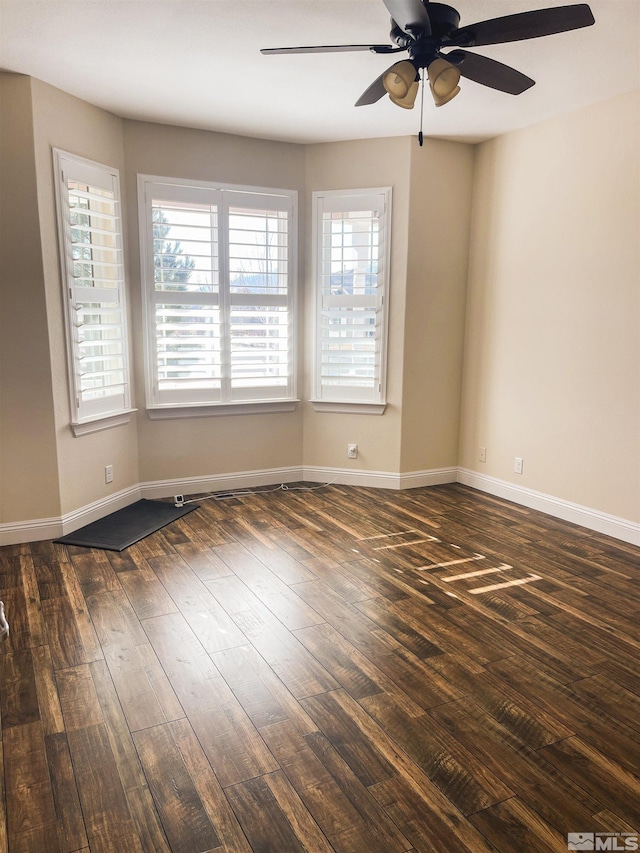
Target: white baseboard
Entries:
(34, 530)
(308, 473)
(602, 522)
(98, 509)
(351, 477)
(379, 479)
(434, 477)
(220, 482)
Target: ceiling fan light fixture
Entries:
(443, 81)
(401, 85)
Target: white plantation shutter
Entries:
(186, 296)
(259, 300)
(90, 233)
(218, 268)
(352, 250)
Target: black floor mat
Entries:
(122, 528)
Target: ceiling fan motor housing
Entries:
(422, 47)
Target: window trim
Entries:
(82, 167)
(327, 402)
(203, 408)
(197, 410)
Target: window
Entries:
(90, 236)
(218, 273)
(351, 263)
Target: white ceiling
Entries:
(197, 63)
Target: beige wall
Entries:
(349, 165)
(28, 459)
(552, 358)
(437, 266)
(65, 122)
(207, 446)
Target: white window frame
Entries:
(113, 409)
(225, 402)
(332, 398)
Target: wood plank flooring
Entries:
(338, 669)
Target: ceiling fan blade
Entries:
(410, 15)
(373, 93)
(524, 25)
(489, 72)
(329, 48)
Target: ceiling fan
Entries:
(424, 29)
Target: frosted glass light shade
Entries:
(401, 84)
(443, 81)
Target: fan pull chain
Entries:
(420, 136)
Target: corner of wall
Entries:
(439, 216)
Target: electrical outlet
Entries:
(482, 454)
(517, 465)
(352, 451)
(108, 473)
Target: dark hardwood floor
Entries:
(344, 669)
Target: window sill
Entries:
(342, 407)
(161, 413)
(101, 422)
